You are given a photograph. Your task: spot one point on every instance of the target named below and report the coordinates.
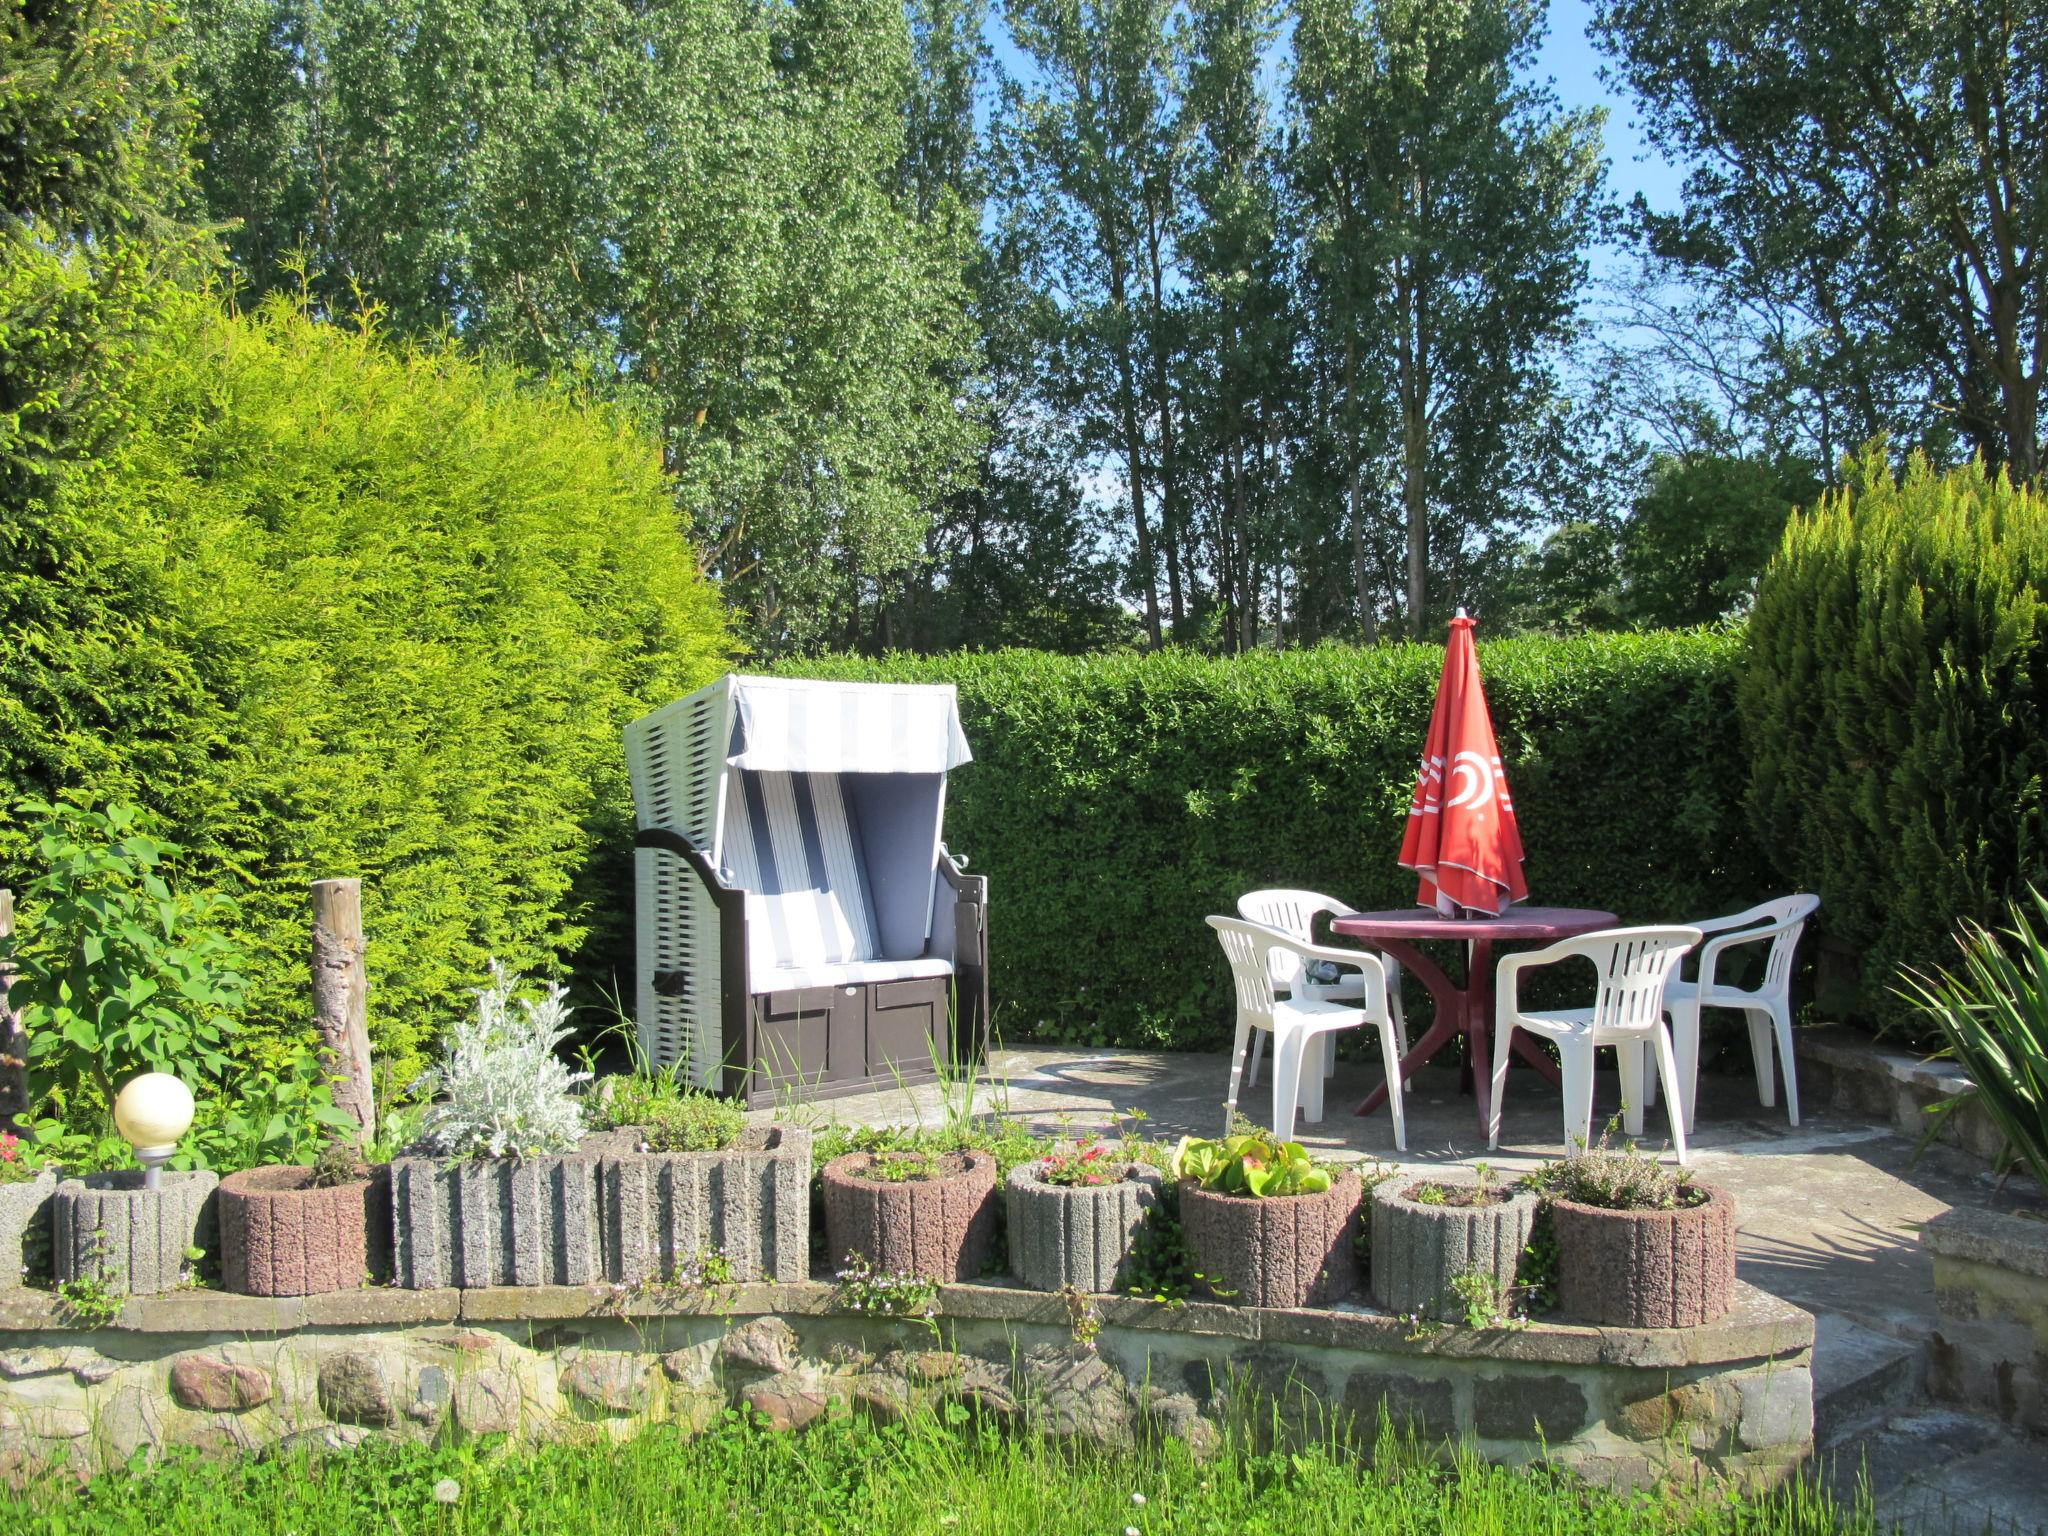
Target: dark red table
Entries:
(1466, 1010)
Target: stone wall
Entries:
(1855, 1075)
(1990, 1349)
(233, 1373)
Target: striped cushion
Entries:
(789, 842)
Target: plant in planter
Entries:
(495, 1191)
(1266, 1224)
(681, 1174)
(1435, 1240)
(300, 1231)
(926, 1214)
(1639, 1245)
(1074, 1215)
(27, 1183)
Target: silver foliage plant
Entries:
(502, 1090)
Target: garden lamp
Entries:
(153, 1111)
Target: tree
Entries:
(95, 172)
(1872, 175)
(717, 206)
(1239, 361)
(1015, 556)
(1094, 143)
(1702, 531)
(1565, 584)
(1448, 206)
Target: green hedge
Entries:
(335, 607)
(1893, 705)
(1116, 800)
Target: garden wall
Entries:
(230, 1373)
(1116, 800)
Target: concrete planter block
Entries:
(25, 1226)
(751, 1203)
(283, 1235)
(1419, 1249)
(939, 1229)
(1646, 1269)
(1283, 1251)
(109, 1227)
(1081, 1236)
(1990, 1350)
(496, 1221)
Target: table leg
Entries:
(1479, 1027)
(1442, 1030)
(1531, 1050)
(1447, 1025)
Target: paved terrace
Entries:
(1829, 1215)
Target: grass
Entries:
(850, 1479)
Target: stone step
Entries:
(1937, 1472)
(1861, 1377)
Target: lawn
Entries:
(850, 1477)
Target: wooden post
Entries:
(13, 1038)
(341, 995)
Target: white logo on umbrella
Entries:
(1472, 780)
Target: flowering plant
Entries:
(18, 1162)
(504, 1091)
(1085, 1164)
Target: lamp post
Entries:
(152, 1113)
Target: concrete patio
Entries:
(1829, 1216)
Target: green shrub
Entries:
(1893, 713)
(120, 971)
(335, 607)
(1116, 800)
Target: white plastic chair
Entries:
(1633, 965)
(1294, 913)
(1298, 1024)
(1769, 1005)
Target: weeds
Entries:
(1084, 1317)
(707, 1270)
(90, 1301)
(888, 1293)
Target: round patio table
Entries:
(1466, 1010)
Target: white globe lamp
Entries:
(152, 1113)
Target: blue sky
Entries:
(1573, 66)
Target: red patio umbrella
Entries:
(1462, 837)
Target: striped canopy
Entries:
(798, 725)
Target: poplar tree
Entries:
(1448, 204)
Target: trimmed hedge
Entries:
(335, 607)
(1893, 705)
(1116, 800)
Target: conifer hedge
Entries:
(335, 607)
(1116, 800)
(1893, 705)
